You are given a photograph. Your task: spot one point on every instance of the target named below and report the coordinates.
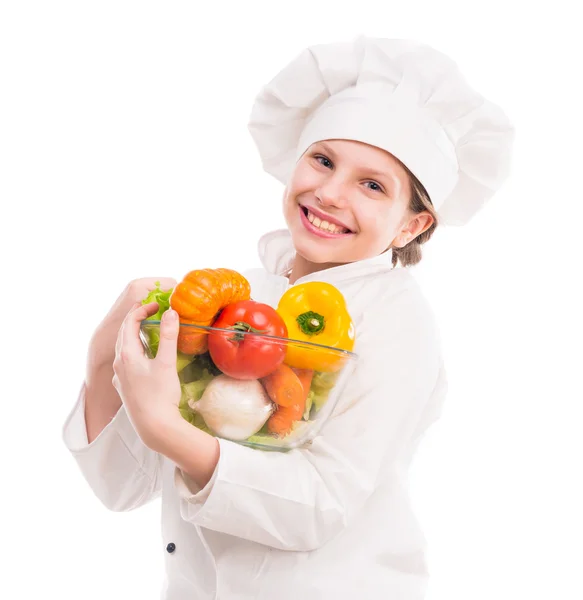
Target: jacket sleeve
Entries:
(301, 499)
(120, 469)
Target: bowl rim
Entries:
(206, 328)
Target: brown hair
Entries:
(411, 254)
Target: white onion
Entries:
(234, 408)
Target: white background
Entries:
(124, 153)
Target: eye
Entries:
(376, 188)
(325, 162)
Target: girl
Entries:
(376, 141)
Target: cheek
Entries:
(289, 201)
(376, 224)
(371, 217)
(290, 208)
(300, 185)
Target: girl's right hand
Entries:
(102, 345)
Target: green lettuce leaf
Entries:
(322, 384)
(193, 391)
(183, 360)
(309, 402)
(153, 340)
(162, 298)
(197, 367)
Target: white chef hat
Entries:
(399, 95)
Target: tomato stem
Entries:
(311, 323)
(241, 327)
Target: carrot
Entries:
(281, 421)
(288, 388)
(284, 387)
(305, 376)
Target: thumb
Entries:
(167, 348)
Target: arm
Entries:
(102, 402)
(301, 499)
(122, 472)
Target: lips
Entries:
(324, 217)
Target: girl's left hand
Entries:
(149, 388)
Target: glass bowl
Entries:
(281, 408)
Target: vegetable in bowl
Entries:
(281, 410)
(243, 377)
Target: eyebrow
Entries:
(392, 179)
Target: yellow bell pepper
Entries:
(316, 312)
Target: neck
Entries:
(302, 267)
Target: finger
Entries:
(119, 333)
(129, 337)
(167, 349)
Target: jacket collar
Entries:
(276, 253)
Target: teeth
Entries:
(325, 225)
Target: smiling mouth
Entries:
(323, 224)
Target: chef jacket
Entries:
(329, 520)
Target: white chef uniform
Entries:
(332, 519)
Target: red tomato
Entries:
(246, 353)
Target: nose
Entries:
(332, 193)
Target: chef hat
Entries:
(399, 95)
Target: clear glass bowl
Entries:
(321, 369)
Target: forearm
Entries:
(121, 470)
(102, 402)
(190, 449)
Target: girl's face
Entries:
(348, 201)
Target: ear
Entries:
(415, 226)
